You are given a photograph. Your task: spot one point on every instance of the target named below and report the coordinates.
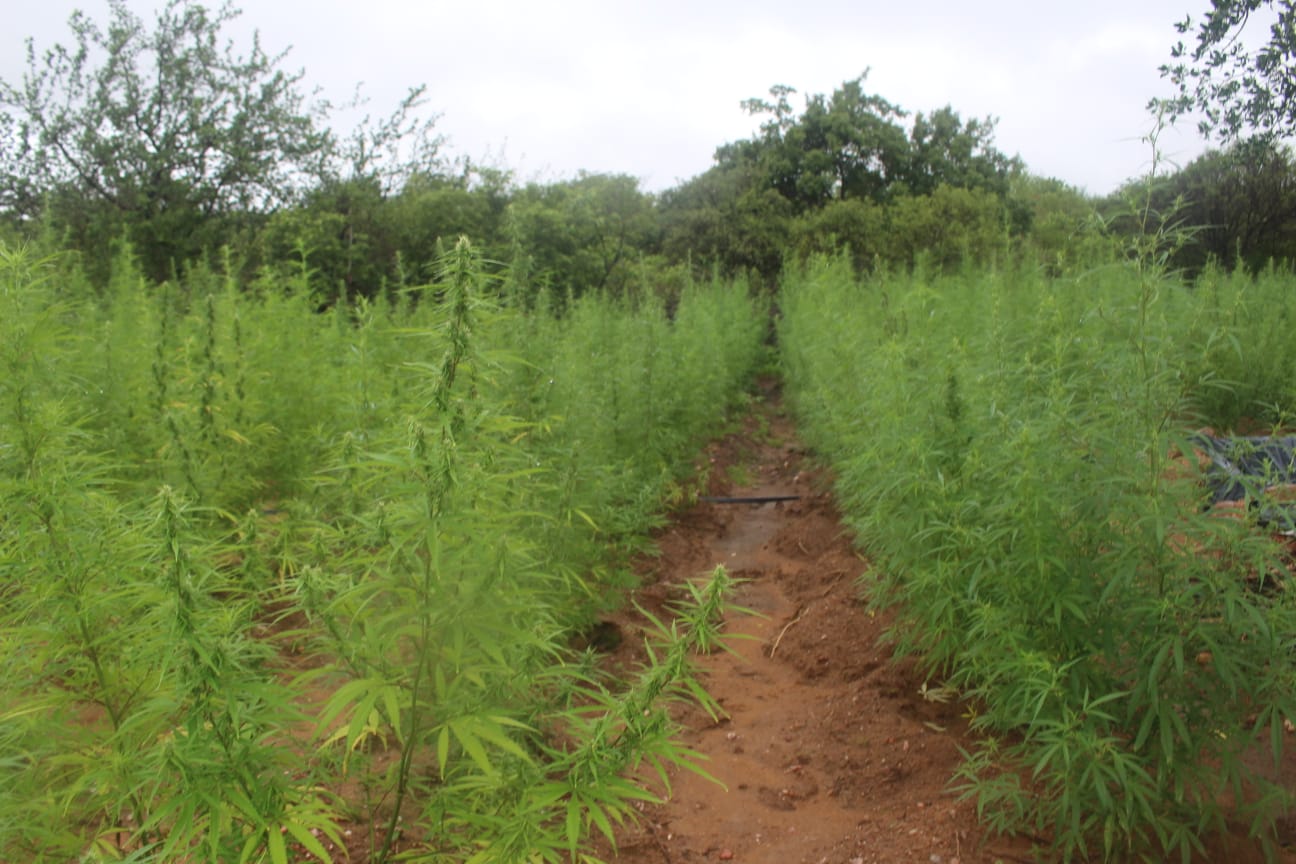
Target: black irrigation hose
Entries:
(764, 499)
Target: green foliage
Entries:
(946, 151)
(166, 138)
(727, 217)
(944, 229)
(849, 145)
(172, 137)
(1002, 443)
(1241, 203)
(845, 171)
(229, 517)
(340, 233)
(852, 145)
(582, 783)
(1062, 230)
(355, 226)
(168, 133)
(1237, 91)
(1241, 349)
(621, 394)
(437, 208)
(857, 224)
(581, 234)
(138, 708)
(947, 227)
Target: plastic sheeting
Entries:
(1242, 467)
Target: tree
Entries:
(438, 208)
(582, 234)
(349, 211)
(854, 144)
(1059, 222)
(856, 224)
(1237, 90)
(948, 227)
(339, 229)
(1241, 202)
(835, 168)
(387, 153)
(358, 235)
(169, 135)
(18, 195)
(849, 145)
(727, 217)
(944, 150)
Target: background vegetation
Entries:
(150, 133)
(306, 497)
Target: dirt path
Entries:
(829, 753)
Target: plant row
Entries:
(1015, 455)
(274, 575)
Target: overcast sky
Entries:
(652, 88)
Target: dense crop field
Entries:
(273, 572)
(283, 578)
(1008, 449)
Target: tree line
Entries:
(165, 138)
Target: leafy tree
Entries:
(945, 150)
(437, 208)
(806, 178)
(168, 133)
(1059, 222)
(582, 235)
(19, 197)
(1245, 197)
(857, 224)
(174, 138)
(1241, 202)
(339, 233)
(854, 144)
(1235, 88)
(946, 228)
(727, 217)
(347, 222)
(849, 145)
(386, 153)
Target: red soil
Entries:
(829, 751)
